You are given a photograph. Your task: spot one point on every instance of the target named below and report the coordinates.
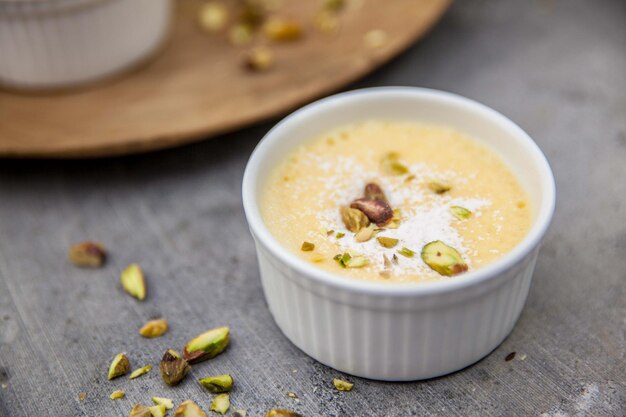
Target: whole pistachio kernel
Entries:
(443, 258)
(460, 213)
(307, 247)
(189, 409)
(282, 413)
(168, 403)
(87, 254)
(217, 384)
(221, 404)
(406, 252)
(342, 385)
(173, 367)
(353, 219)
(387, 242)
(117, 395)
(154, 328)
(133, 281)
(377, 211)
(140, 371)
(120, 366)
(207, 345)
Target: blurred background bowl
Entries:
(50, 44)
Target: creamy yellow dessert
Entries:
(395, 202)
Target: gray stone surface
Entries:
(557, 68)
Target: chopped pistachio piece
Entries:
(387, 242)
(217, 384)
(460, 213)
(140, 371)
(307, 246)
(139, 410)
(443, 258)
(342, 259)
(221, 404)
(406, 252)
(339, 235)
(189, 409)
(342, 385)
(82, 396)
(213, 17)
(87, 254)
(173, 367)
(439, 187)
(354, 219)
(282, 30)
(117, 395)
(377, 211)
(357, 262)
(259, 59)
(391, 166)
(282, 413)
(120, 366)
(239, 413)
(207, 345)
(158, 410)
(154, 328)
(133, 281)
(168, 403)
(365, 234)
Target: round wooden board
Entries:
(197, 88)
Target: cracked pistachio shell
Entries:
(189, 409)
(154, 328)
(277, 412)
(353, 219)
(133, 281)
(139, 410)
(221, 404)
(140, 371)
(173, 367)
(166, 402)
(207, 345)
(342, 385)
(217, 384)
(443, 258)
(120, 366)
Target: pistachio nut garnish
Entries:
(365, 234)
(139, 410)
(460, 213)
(357, 262)
(118, 394)
(239, 413)
(406, 252)
(277, 412)
(220, 404)
(189, 409)
(443, 258)
(342, 385)
(207, 345)
(376, 211)
(390, 164)
(154, 328)
(166, 402)
(87, 254)
(158, 410)
(133, 281)
(120, 366)
(281, 30)
(374, 192)
(217, 384)
(339, 235)
(387, 242)
(342, 259)
(173, 367)
(353, 219)
(307, 247)
(439, 187)
(140, 371)
(258, 59)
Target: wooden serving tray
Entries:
(197, 88)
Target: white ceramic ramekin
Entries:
(59, 43)
(398, 332)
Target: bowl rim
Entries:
(310, 272)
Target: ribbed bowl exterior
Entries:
(394, 338)
(60, 43)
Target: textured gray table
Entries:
(557, 68)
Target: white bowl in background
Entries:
(48, 44)
(405, 331)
